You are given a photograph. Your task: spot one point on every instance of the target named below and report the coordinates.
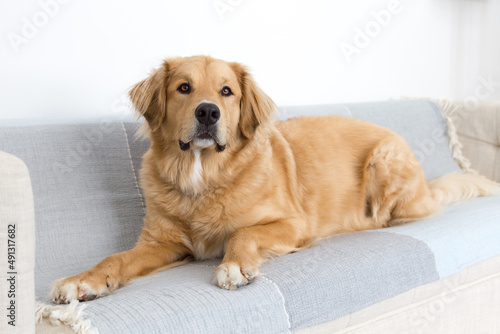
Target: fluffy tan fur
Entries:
(276, 188)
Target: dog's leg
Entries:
(249, 247)
(116, 270)
(396, 188)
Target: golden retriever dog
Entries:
(222, 178)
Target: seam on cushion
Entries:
(478, 139)
(385, 316)
(388, 230)
(284, 302)
(133, 169)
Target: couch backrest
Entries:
(87, 202)
(421, 123)
(478, 128)
(84, 175)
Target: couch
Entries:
(78, 180)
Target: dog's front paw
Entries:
(71, 288)
(231, 276)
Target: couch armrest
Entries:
(17, 250)
(478, 128)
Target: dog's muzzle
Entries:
(207, 115)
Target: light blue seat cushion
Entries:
(88, 206)
(463, 235)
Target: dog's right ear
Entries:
(149, 97)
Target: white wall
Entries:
(476, 39)
(85, 54)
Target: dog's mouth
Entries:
(203, 138)
(204, 135)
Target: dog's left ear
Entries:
(255, 106)
(149, 97)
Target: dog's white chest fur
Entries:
(197, 171)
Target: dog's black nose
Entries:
(207, 113)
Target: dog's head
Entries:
(201, 102)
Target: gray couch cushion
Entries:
(87, 204)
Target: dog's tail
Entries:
(458, 187)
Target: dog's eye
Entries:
(184, 88)
(226, 91)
